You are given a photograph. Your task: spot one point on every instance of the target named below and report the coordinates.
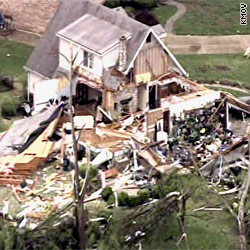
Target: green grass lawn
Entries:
(164, 12)
(212, 17)
(13, 56)
(231, 91)
(233, 68)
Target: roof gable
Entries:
(164, 47)
(44, 59)
(94, 33)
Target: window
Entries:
(148, 40)
(88, 59)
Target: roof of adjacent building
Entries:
(44, 59)
(94, 33)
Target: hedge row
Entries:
(124, 199)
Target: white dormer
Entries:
(95, 42)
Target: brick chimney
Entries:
(122, 53)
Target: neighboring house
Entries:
(117, 55)
(120, 64)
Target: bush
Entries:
(93, 171)
(9, 106)
(106, 193)
(144, 195)
(133, 200)
(135, 4)
(145, 4)
(123, 199)
(146, 17)
(2, 125)
(7, 82)
(112, 3)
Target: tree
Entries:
(79, 192)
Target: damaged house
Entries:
(121, 65)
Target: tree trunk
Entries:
(80, 216)
(241, 211)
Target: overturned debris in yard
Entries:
(26, 148)
(127, 154)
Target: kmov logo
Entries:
(243, 14)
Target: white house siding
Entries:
(64, 52)
(110, 58)
(64, 48)
(33, 78)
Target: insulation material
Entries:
(145, 78)
(104, 156)
(85, 122)
(196, 102)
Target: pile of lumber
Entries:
(14, 169)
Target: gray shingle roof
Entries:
(44, 59)
(94, 33)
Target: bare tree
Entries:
(241, 210)
(79, 194)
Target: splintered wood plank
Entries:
(6, 160)
(6, 181)
(15, 172)
(47, 149)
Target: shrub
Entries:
(93, 171)
(2, 126)
(123, 199)
(112, 3)
(106, 193)
(146, 17)
(9, 106)
(7, 81)
(145, 4)
(144, 195)
(133, 200)
(111, 199)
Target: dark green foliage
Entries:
(136, 4)
(106, 193)
(123, 199)
(9, 106)
(146, 17)
(93, 171)
(2, 126)
(112, 3)
(111, 199)
(62, 237)
(133, 200)
(158, 192)
(6, 82)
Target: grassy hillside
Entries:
(211, 17)
(163, 13)
(13, 56)
(217, 67)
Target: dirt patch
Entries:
(204, 68)
(32, 15)
(222, 68)
(22, 37)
